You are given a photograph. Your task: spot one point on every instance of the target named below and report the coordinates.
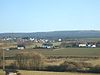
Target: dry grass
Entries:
(1, 72)
(95, 62)
(48, 73)
(51, 73)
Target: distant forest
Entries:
(54, 34)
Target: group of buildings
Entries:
(80, 44)
(48, 44)
(87, 45)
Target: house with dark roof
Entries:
(47, 45)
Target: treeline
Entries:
(28, 61)
(75, 67)
(55, 34)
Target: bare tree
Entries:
(27, 60)
(1, 56)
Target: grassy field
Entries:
(48, 73)
(51, 73)
(65, 52)
(81, 52)
(71, 52)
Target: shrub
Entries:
(75, 66)
(95, 69)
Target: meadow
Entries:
(91, 55)
(85, 52)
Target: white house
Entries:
(59, 40)
(89, 45)
(32, 39)
(82, 45)
(21, 47)
(93, 46)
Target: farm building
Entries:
(20, 47)
(87, 45)
(93, 46)
(83, 45)
(47, 45)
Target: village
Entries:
(22, 43)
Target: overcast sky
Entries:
(49, 15)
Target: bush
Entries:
(75, 66)
(95, 69)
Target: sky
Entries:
(49, 15)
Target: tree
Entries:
(27, 60)
(0, 58)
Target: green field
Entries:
(82, 52)
(71, 52)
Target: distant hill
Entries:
(55, 34)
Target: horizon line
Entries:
(47, 31)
